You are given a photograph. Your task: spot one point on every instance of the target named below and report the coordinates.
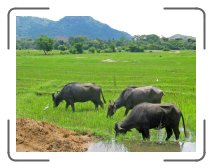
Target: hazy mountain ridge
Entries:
(32, 27)
(180, 36)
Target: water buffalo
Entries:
(77, 92)
(146, 116)
(132, 96)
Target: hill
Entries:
(32, 27)
(180, 36)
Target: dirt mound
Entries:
(35, 136)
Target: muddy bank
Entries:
(35, 136)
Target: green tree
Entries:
(77, 39)
(79, 48)
(25, 44)
(62, 47)
(73, 50)
(44, 43)
(92, 49)
(113, 47)
(57, 43)
(135, 48)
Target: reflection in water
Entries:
(107, 146)
(135, 146)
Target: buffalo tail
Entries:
(183, 125)
(103, 96)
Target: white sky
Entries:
(135, 25)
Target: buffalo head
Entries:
(55, 99)
(111, 109)
(119, 129)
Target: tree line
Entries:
(80, 44)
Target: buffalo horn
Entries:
(119, 127)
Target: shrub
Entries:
(92, 50)
(64, 52)
(166, 49)
(73, 50)
(135, 48)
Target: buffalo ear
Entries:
(53, 96)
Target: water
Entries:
(135, 146)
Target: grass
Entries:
(39, 75)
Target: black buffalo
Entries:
(146, 116)
(77, 92)
(132, 96)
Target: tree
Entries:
(135, 48)
(138, 43)
(113, 47)
(77, 39)
(25, 44)
(57, 43)
(73, 50)
(62, 47)
(44, 43)
(92, 49)
(79, 48)
(76, 49)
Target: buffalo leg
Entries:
(101, 104)
(139, 130)
(169, 133)
(126, 111)
(142, 133)
(96, 105)
(176, 132)
(67, 104)
(72, 106)
(146, 133)
(70, 101)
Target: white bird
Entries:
(45, 108)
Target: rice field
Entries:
(37, 76)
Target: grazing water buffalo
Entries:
(146, 116)
(77, 92)
(132, 96)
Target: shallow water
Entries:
(135, 146)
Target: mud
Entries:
(35, 136)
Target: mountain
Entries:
(180, 36)
(32, 27)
